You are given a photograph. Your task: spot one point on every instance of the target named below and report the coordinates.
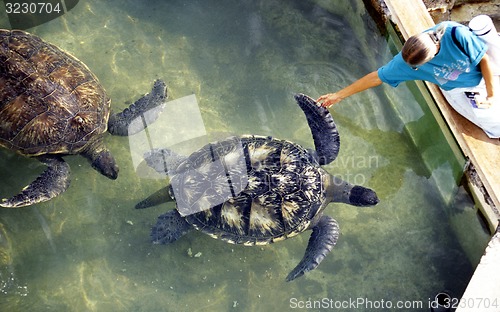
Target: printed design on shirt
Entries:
(451, 72)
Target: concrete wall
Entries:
(463, 11)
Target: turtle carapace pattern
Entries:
(256, 190)
(52, 105)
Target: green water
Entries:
(242, 61)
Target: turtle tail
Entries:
(159, 197)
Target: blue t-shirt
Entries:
(449, 69)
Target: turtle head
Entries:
(106, 164)
(344, 192)
(101, 160)
(362, 196)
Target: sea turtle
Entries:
(52, 105)
(255, 190)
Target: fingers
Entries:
(326, 104)
(322, 101)
(328, 100)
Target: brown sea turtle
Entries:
(255, 190)
(52, 105)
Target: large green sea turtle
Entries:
(255, 190)
(52, 105)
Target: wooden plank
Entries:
(412, 17)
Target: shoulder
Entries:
(395, 72)
(462, 32)
(397, 62)
(468, 43)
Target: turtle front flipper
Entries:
(52, 182)
(324, 236)
(139, 115)
(324, 131)
(169, 228)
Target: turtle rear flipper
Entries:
(52, 182)
(139, 115)
(169, 228)
(324, 131)
(324, 236)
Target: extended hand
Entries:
(329, 99)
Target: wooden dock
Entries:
(411, 17)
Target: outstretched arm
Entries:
(491, 86)
(369, 81)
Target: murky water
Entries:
(233, 67)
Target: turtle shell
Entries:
(50, 101)
(250, 190)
